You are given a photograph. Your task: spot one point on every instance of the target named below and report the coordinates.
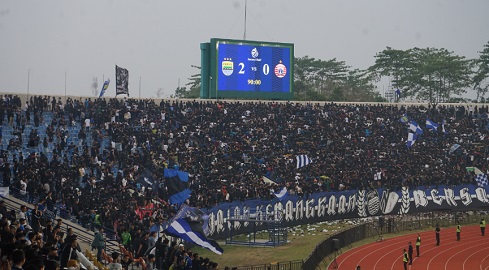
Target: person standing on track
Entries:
(483, 226)
(410, 253)
(459, 229)
(437, 231)
(418, 244)
(405, 259)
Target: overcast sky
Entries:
(158, 40)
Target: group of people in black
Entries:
(90, 151)
(23, 247)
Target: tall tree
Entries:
(429, 74)
(194, 86)
(438, 74)
(317, 79)
(303, 69)
(481, 76)
(395, 64)
(358, 86)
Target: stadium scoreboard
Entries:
(247, 69)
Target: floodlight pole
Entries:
(65, 86)
(210, 86)
(246, 5)
(28, 82)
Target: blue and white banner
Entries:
(347, 204)
(4, 192)
(430, 125)
(414, 127)
(302, 160)
(104, 88)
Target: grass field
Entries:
(301, 242)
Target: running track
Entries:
(470, 253)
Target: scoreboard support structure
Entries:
(243, 69)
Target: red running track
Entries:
(470, 253)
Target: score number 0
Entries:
(266, 69)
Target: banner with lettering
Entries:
(344, 205)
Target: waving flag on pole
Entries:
(443, 126)
(431, 125)
(191, 231)
(282, 194)
(398, 93)
(194, 214)
(481, 180)
(404, 119)
(454, 148)
(302, 161)
(412, 137)
(177, 185)
(104, 87)
(122, 81)
(267, 180)
(415, 127)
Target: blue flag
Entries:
(104, 87)
(412, 137)
(443, 126)
(415, 127)
(194, 214)
(282, 194)
(431, 125)
(481, 180)
(177, 185)
(398, 93)
(404, 118)
(191, 231)
(302, 160)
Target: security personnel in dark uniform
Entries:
(405, 259)
(437, 231)
(418, 244)
(483, 226)
(410, 253)
(459, 229)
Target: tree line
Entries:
(430, 75)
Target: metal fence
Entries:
(325, 251)
(83, 233)
(290, 265)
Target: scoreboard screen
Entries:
(261, 69)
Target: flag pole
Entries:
(65, 87)
(103, 80)
(28, 82)
(115, 79)
(139, 87)
(246, 7)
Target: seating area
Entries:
(100, 161)
(70, 135)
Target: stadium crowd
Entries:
(101, 161)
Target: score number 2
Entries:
(266, 69)
(241, 70)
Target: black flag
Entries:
(122, 81)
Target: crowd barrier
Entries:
(288, 265)
(84, 233)
(326, 251)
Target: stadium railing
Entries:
(325, 250)
(288, 265)
(84, 233)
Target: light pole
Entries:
(65, 87)
(210, 85)
(28, 82)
